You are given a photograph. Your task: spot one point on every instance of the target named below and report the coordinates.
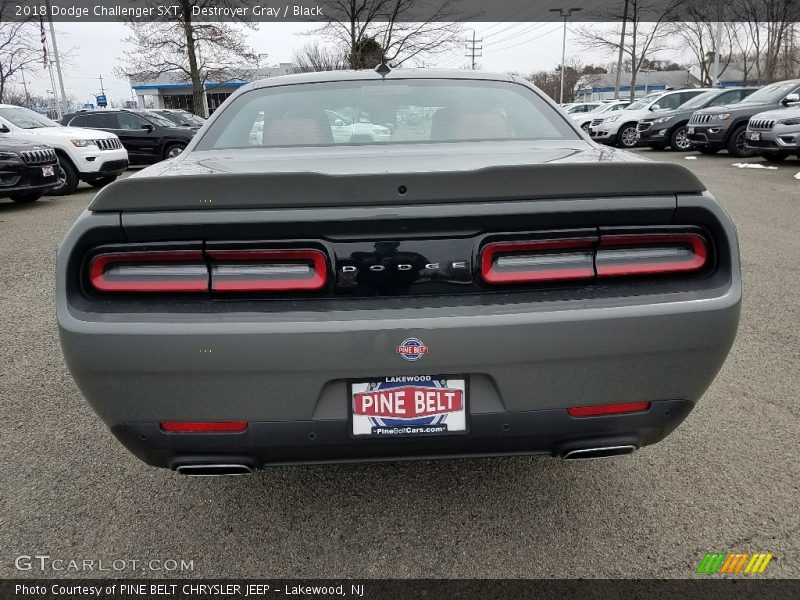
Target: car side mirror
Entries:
(791, 99)
(338, 122)
(148, 127)
(4, 129)
(655, 107)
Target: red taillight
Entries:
(607, 409)
(157, 271)
(538, 260)
(169, 271)
(606, 255)
(203, 426)
(644, 254)
(268, 270)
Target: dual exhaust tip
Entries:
(214, 470)
(221, 470)
(599, 452)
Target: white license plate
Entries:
(48, 172)
(754, 136)
(690, 130)
(408, 406)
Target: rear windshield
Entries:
(384, 112)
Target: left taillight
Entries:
(167, 271)
(283, 270)
(215, 270)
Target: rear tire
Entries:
(678, 140)
(102, 182)
(706, 150)
(736, 144)
(775, 156)
(68, 177)
(26, 198)
(626, 136)
(173, 150)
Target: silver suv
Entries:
(775, 134)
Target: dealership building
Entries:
(169, 91)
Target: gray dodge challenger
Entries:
(394, 264)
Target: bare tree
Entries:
(405, 30)
(18, 48)
(316, 57)
(575, 74)
(192, 51)
(645, 21)
(770, 25)
(699, 35)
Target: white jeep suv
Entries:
(96, 157)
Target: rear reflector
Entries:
(158, 271)
(203, 426)
(268, 270)
(538, 260)
(607, 409)
(643, 254)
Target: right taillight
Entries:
(586, 257)
(538, 260)
(648, 254)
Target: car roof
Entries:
(373, 75)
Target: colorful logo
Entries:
(412, 349)
(734, 563)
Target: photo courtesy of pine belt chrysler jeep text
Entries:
(479, 279)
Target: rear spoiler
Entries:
(310, 190)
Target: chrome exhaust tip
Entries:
(599, 452)
(213, 470)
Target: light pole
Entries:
(565, 13)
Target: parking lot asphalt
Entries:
(727, 480)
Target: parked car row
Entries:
(94, 146)
(743, 120)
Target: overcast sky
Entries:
(94, 49)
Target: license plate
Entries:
(754, 136)
(690, 130)
(408, 406)
(48, 172)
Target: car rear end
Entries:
(241, 337)
(382, 302)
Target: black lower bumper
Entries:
(551, 432)
(110, 168)
(22, 179)
(703, 136)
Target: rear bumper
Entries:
(494, 434)
(289, 379)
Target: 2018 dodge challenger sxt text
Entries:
(484, 280)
